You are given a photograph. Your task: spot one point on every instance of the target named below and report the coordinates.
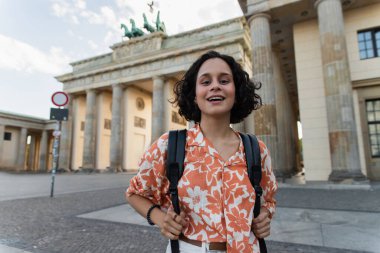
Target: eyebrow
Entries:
(220, 74)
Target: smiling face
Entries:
(215, 89)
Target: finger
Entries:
(170, 224)
(263, 235)
(173, 226)
(169, 235)
(183, 214)
(172, 229)
(182, 219)
(262, 230)
(262, 216)
(260, 223)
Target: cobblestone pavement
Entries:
(48, 225)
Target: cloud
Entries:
(178, 16)
(80, 4)
(111, 37)
(92, 44)
(75, 11)
(67, 10)
(20, 56)
(60, 9)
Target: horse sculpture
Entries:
(127, 33)
(136, 31)
(147, 26)
(160, 26)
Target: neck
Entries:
(215, 128)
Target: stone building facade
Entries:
(26, 143)
(318, 61)
(119, 101)
(328, 54)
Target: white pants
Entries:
(185, 247)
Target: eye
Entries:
(205, 82)
(224, 81)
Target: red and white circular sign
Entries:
(60, 98)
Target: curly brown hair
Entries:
(246, 99)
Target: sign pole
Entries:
(59, 99)
(55, 156)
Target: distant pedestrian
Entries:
(215, 194)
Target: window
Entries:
(373, 118)
(7, 136)
(369, 43)
(107, 124)
(140, 122)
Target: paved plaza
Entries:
(88, 214)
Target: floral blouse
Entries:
(216, 195)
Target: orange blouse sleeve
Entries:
(151, 181)
(268, 180)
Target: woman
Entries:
(215, 193)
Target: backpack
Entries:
(174, 171)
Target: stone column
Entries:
(75, 152)
(345, 159)
(158, 108)
(249, 124)
(43, 151)
(66, 138)
(31, 153)
(89, 131)
(126, 124)
(167, 107)
(2, 132)
(239, 127)
(262, 64)
(116, 126)
(21, 149)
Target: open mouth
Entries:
(215, 98)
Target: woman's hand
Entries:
(173, 224)
(261, 224)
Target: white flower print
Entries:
(197, 198)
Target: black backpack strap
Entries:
(253, 158)
(174, 170)
(256, 173)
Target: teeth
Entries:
(216, 99)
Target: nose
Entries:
(214, 85)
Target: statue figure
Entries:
(147, 26)
(136, 32)
(160, 26)
(127, 33)
(151, 7)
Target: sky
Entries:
(40, 38)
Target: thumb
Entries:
(183, 218)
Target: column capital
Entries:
(259, 15)
(117, 85)
(158, 77)
(91, 91)
(317, 2)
